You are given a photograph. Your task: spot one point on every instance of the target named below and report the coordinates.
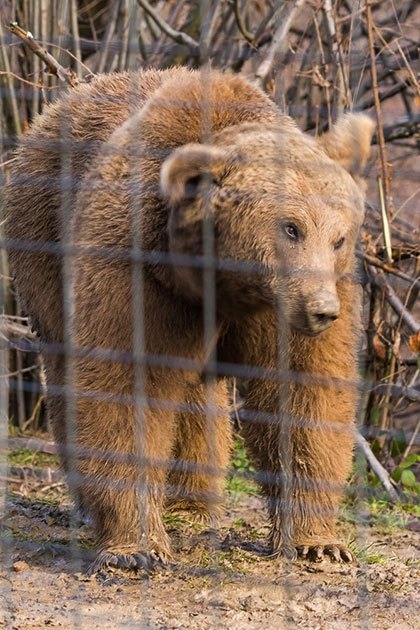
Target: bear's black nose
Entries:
(322, 313)
(325, 317)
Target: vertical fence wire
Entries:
(139, 354)
(67, 185)
(4, 411)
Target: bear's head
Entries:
(273, 213)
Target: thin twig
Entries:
(57, 69)
(396, 272)
(393, 300)
(411, 393)
(414, 81)
(76, 36)
(337, 53)
(411, 442)
(279, 41)
(12, 100)
(20, 371)
(31, 83)
(106, 44)
(385, 223)
(35, 413)
(177, 36)
(240, 22)
(379, 130)
(402, 128)
(377, 467)
(384, 408)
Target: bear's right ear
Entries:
(348, 142)
(189, 168)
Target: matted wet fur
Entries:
(146, 162)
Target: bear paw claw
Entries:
(136, 561)
(317, 553)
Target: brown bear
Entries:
(167, 231)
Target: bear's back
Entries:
(49, 165)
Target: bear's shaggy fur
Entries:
(195, 222)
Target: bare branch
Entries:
(379, 131)
(377, 467)
(240, 22)
(10, 329)
(403, 128)
(393, 300)
(396, 272)
(57, 69)
(11, 103)
(22, 80)
(395, 390)
(338, 53)
(279, 40)
(177, 36)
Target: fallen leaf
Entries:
(19, 566)
(414, 342)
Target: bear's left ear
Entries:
(348, 142)
(188, 169)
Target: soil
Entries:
(218, 580)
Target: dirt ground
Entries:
(220, 580)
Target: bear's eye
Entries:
(291, 231)
(339, 243)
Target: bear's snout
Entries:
(321, 313)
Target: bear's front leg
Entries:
(120, 468)
(202, 451)
(298, 427)
(303, 455)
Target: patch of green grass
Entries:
(369, 554)
(379, 513)
(238, 484)
(229, 562)
(180, 520)
(240, 460)
(26, 457)
(17, 498)
(174, 520)
(240, 523)
(240, 480)
(386, 516)
(413, 509)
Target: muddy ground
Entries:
(221, 580)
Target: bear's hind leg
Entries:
(202, 451)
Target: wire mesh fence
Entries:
(196, 300)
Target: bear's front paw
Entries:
(146, 561)
(317, 553)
